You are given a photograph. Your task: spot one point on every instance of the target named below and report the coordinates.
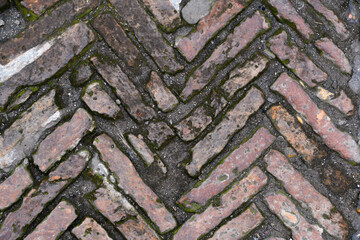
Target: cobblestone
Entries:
(89, 229)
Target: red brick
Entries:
(243, 34)
(238, 194)
(99, 101)
(125, 89)
(38, 6)
(221, 13)
(163, 97)
(334, 54)
(13, 187)
(227, 171)
(339, 141)
(240, 226)
(89, 229)
(330, 16)
(296, 60)
(292, 131)
(54, 224)
(241, 76)
(287, 11)
(130, 181)
(137, 229)
(63, 139)
(321, 208)
(343, 103)
(290, 216)
(36, 200)
(23, 136)
(142, 149)
(159, 133)
(147, 33)
(115, 36)
(215, 141)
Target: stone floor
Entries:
(170, 119)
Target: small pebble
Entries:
(17, 22)
(117, 101)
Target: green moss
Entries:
(286, 61)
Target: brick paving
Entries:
(169, 119)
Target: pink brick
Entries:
(343, 103)
(89, 229)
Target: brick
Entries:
(194, 10)
(41, 62)
(220, 15)
(159, 133)
(89, 229)
(38, 6)
(63, 139)
(137, 229)
(142, 149)
(330, 16)
(164, 12)
(147, 33)
(228, 170)
(285, 10)
(241, 76)
(81, 74)
(238, 194)
(23, 136)
(291, 129)
(163, 97)
(343, 103)
(100, 102)
(36, 200)
(130, 181)
(54, 224)
(125, 89)
(20, 98)
(14, 186)
(321, 208)
(196, 121)
(243, 34)
(337, 140)
(215, 141)
(334, 54)
(81, 6)
(240, 226)
(115, 36)
(290, 216)
(296, 60)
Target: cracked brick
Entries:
(89, 229)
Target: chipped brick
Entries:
(234, 120)
(296, 60)
(243, 34)
(140, 146)
(337, 140)
(238, 194)
(159, 133)
(130, 181)
(227, 171)
(63, 139)
(320, 207)
(343, 103)
(89, 229)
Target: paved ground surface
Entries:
(158, 119)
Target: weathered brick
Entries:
(38, 6)
(243, 34)
(340, 141)
(238, 194)
(330, 16)
(343, 103)
(43, 61)
(194, 10)
(137, 229)
(89, 229)
(285, 10)
(99, 101)
(234, 120)
(296, 60)
(163, 97)
(291, 130)
(240, 226)
(21, 97)
(13, 187)
(130, 181)
(23, 136)
(320, 207)
(35, 201)
(54, 224)
(115, 36)
(147, 33)
(165, 12)
(227, 171)
(159, 133)
(221, 13)
(334, 54)
(241, 76)
(125, 89)
(196, 122)
(81, 74)
(290, 216)
(143, 150)
(63, 139)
